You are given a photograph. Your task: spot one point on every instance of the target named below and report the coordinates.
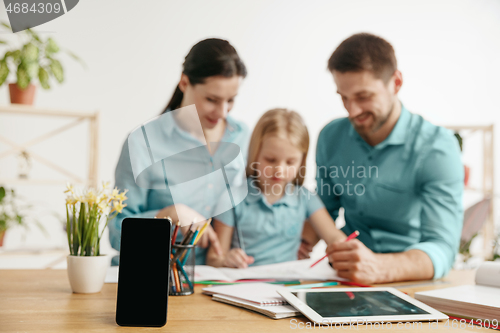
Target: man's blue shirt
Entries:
(404, 193)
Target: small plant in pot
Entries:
(86, 212)
(13, 213)
(35, 59)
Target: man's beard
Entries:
(378, 123)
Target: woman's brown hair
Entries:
(209, 57)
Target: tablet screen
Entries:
(357, 304)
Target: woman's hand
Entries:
(209, 237)
(181, 212)
(237, 258)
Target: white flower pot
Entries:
(86, 274)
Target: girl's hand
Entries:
(304, 250)
(237, 258)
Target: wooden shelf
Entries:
(31, 110)
(488, 184)
(81, 116)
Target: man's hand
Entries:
(354, 261)
(304, 250)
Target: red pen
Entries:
(351, 236)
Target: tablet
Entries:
(358, 305)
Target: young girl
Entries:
(269, 221)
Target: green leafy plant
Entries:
(35, 59)
(12, 212)
(84, 212)
(496, 249)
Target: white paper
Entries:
(290, 270)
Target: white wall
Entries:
(447, 50)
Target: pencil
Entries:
(239, 236)
(351, 236)
(314, 285)
(185, 256)
(188, 235)
(187, 238)
(180, 278)
(176, 278)
(172, 281)
(185, 274)
(349, 283)
(205, 226)
(176, 230)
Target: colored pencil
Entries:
(176, 278)
(172, 280)
(188, 235)
(202, 231)
(314, 285)
(181, 268)
(181, 285)
(351, 236)
(188, 251)
(187, 238)
(349, 283)
(176, 230)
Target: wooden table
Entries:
(42, 301)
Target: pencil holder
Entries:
(182, 270)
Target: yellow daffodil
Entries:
(71, 200)
(118, 206)
(91, 196)
(115, 193)
(69, 188)
(104, 208)
(121, 196)
(101, 203)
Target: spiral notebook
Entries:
(263, 294)
(275, 311)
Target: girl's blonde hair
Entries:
(282, 123)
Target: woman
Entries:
(210, 80)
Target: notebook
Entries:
(479, 301)
(275, 312)
(262, 294)
(290, 270)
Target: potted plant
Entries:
(85, 213)
(35, 59)
(12, 213)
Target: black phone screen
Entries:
(143, 274)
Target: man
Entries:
(398, 177)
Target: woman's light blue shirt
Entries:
(147, 202)
(271, 233)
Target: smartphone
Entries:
(143, 274)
